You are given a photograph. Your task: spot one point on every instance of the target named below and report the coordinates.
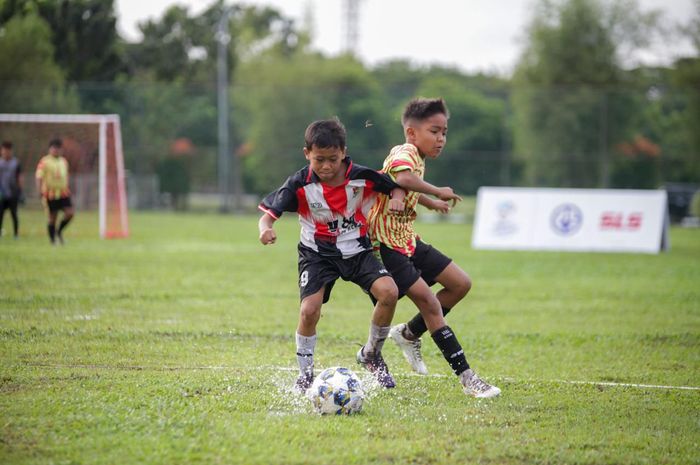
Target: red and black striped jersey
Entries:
(333, 218)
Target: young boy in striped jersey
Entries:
(52, 181)
(415, 265)
(332, 197)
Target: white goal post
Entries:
(102, 134)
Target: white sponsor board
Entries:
(601, 220)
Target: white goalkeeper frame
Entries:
(102, 121)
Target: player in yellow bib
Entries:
(414, 264)
(52, 183)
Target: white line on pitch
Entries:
(294, 369)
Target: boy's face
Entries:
(326, 162)
(429, 135)
(5, 152)
(55, 151)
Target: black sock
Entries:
(448, 344)
(64, 223)
(417, 324)
(52, 232)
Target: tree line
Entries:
(578, 111)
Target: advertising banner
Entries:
(599, 220)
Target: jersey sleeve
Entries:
(380, 182)
(282, 200)
(406, 158)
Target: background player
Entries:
(52, 183)
(414, 264)
(332, 196)
(11, 185)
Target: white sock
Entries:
(375, 341)
(305, 353)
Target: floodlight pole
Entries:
(224, 167)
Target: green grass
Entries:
(166, 348)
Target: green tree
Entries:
(31, 80)
(181, 46)
(83, 32)
(475, 150)
(686, 77)
(276, 97)
(566, 119)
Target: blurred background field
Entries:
(176, 346)
(576, 110)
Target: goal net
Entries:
(92, 144)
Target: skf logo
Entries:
(618, 221)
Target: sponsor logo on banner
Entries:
(618, 221)
(566, 219)
(504, 225)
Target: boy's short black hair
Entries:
(6, 144)
(423, 108)
(325, 133)
(58, 143)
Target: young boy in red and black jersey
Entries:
(332, 197)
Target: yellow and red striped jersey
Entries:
(396, 231)
(53, 172)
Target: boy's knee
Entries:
(386, 292)
(310, 312)
(464, 286)
(427, 303)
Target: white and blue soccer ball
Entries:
(336, 391)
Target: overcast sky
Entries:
(473, 35)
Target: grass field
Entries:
(176, 347)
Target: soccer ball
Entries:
(336, 391)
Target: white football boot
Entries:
(477, 387)
(410, 349)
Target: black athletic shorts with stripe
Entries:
(427, 262)
(316, 271)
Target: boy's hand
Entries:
(440, 206)
(396, 206)
(447, 194)
(437, 205)
(268, 236)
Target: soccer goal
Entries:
(92, 144)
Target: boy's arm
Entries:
(39, 176)
(38, 180)
(267, 233)
(20, 178)
(275, 203)
(410, 181)
(396, 200)
(433, 204)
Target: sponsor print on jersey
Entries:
(335, 216)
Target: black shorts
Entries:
(427, 262)
(316, 271)
(59, 204)
(9, 202)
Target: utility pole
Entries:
(223, 38)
